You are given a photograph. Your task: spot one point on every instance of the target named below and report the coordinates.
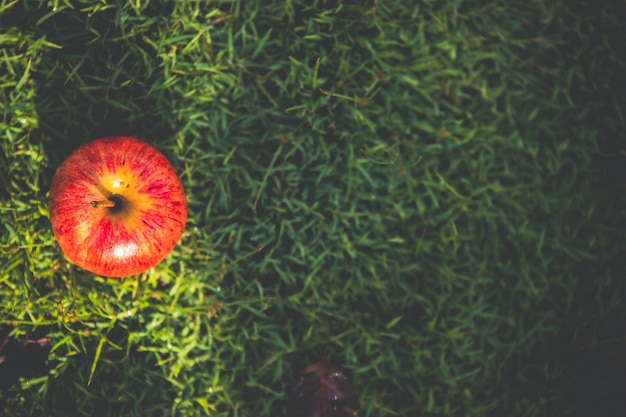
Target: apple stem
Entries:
(102, 203)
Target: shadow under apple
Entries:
(104, 80)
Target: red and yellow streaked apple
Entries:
(117, 207)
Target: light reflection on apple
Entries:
(125, 250)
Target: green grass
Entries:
(428, 193)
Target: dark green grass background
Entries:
(429, 193)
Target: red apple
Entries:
(117, 207)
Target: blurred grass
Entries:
(430, 194)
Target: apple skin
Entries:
(149, 213)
